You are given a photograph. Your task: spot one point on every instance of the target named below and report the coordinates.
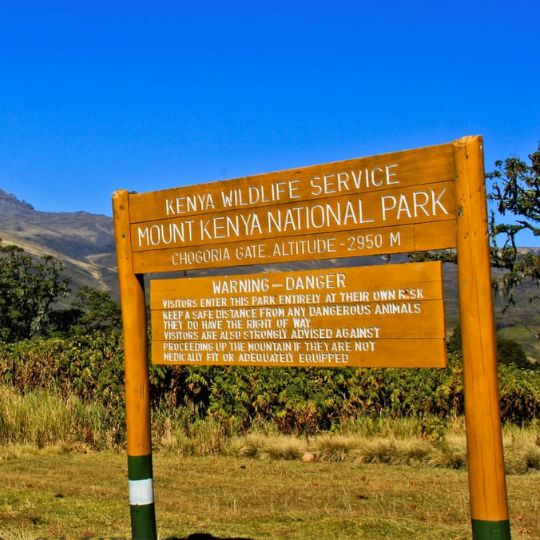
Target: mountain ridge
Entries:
(82, 241)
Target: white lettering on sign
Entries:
(260, 194)
(347, 181)
(289, 190)
(376, 209)
(194, 203)
(327, 280)
(419, 203)
(165, 233)
(241, 285)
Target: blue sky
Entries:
(96, 96)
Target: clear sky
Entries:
(97, 96)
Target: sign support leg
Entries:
(141, 496)
(487, 482)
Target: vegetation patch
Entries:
(44, 419)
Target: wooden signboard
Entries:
(393, 203)
(390, 316)
(416, 200)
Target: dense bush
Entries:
(88, 367)
(511, 352)
(294, 400)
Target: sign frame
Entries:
(487, 481)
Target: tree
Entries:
(91, 310)
(515, 190)
(28, 289)
(98, 311)
(511, 352)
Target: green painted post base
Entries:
(141, 498)
(491, 530)
(143, 522)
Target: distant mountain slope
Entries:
(84, 242)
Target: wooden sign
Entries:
(415, 200)
(380, 316)
(391, 203)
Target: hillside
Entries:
(82, 241)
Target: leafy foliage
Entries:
(89, 367)
(28, 290)
(91, 310)
(302, 401)
(511, 352)
(515, 190)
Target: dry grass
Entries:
(522, 449)
(43, 419)
(267, 447)
(48, 493)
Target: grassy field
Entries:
(50, 494)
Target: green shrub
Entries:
(88, 367)
(42, 418)
(511, 352)
(295, 400)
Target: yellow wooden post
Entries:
(143, 523)
(487, 483)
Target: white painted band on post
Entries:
(141, 492)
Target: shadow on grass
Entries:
(205, 536)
